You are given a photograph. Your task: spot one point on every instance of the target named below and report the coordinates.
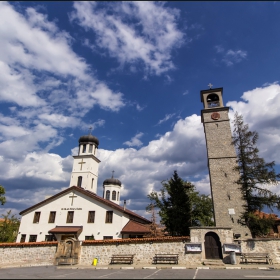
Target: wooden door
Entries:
(212, 246)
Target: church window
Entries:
(114, 195)
(91, 216)
(52, 217)
(107, 237)
(90, 148)
(84, 148)
(70, 217)
(92, 180)
(32, 238)
(36, 217)
(80, 178)
(108, 195)
(22, 238)
(109, 217)
(118, 196)
(50, 237)
(89, 237)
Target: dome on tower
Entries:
(88, 139)
(112, 181)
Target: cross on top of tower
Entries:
(210, 85)
(89, 130)
(113, 173)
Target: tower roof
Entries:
(88, 139)
(112, 181)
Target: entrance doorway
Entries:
(212, 245)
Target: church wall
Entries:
(42, 253)
(81, 205)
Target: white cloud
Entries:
(231, 57)
(45, 83)
(144, 32)
(260, 109)
(135, 141)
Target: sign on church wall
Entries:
(193, 247)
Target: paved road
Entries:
(51, 272)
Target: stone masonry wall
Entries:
(27, 254)
(15, 254)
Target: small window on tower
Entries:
(79, 184)
(84, 148)
(108, 195)
(213, 100)
(114, 195)
(118, 196)
(90, 148)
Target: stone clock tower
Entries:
(226, 194)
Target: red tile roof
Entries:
(67, 229)
(133, 227)
(90, 194)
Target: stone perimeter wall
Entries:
(27, 254)
(43, 254)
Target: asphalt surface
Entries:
(54, 272)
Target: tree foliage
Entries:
(255, 177)
(2, 197)
(9, 227)
(180, 206)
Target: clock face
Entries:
(215, 116)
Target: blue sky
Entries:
(133, 71)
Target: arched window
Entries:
(80, 178)
(118, 196)
(114, 195)
(90, 148)
(213, 100)
(108, 195)
(84, 148)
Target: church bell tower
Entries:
(226, 193)
(85, 166)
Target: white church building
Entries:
(78, 211)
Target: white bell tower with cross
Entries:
(85, 166)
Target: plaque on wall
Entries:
(193, 247)
(232, 248)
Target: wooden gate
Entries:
(212, 245)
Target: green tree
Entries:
(255, 175)
(9, 228)
(2, 197)
(180, 206)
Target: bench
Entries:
(163, 258)
(252, 257)
(122, 259)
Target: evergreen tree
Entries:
(9, 228)
(255, 174)
(180, 206)
(2, 197)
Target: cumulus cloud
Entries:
(144, 32)
(45, 83)
(260, 109)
